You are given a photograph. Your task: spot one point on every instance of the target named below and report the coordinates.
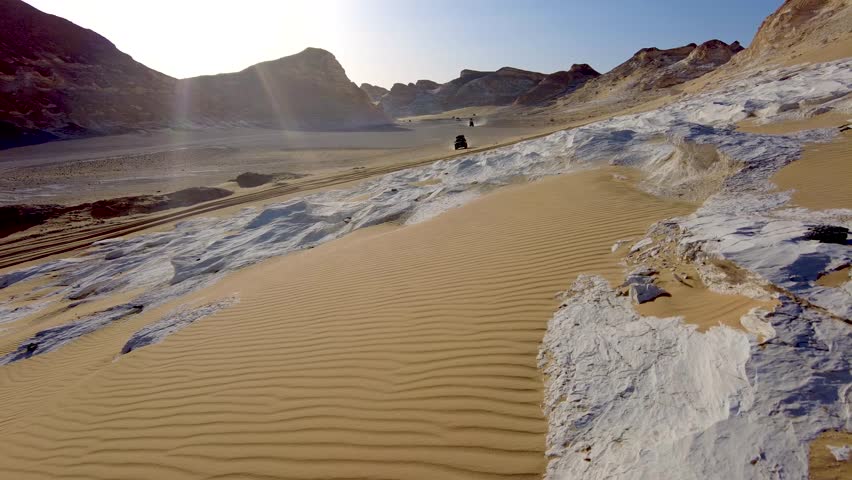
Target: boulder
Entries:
(827, 234)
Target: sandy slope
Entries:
(822, 178)
(824, 465)
(394, 352)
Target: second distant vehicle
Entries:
(461, 142)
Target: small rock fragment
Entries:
(640, 245)
(641, 293)
(841, 453)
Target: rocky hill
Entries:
(648, 72)
(471, 88)
(802, 30)
(58, 80)
(308, 90)
(558, 84)
(375, 92)
(653, 69)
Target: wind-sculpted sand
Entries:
(395, 352)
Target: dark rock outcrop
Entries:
(827, 234)
(558, 84)
(252, 179)
(121, 206)
(16, 218)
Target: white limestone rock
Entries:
(640, 397)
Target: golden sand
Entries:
(823, 465)
(826, 120)
(822, 178)
(835, 278)
(396, 352)
(698, 305)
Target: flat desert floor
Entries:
(85, 170)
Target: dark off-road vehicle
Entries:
(461, 142)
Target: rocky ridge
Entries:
(558, 84)
(471, 88)
(653, 69)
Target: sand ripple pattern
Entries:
(392, 353)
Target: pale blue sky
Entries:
(387, 41)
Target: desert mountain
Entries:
(558, 84)
(654, 69)
(308, 90)
(802, 30)
(650, 70)
(375, 92)
(471, 88)
(58, 80)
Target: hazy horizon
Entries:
(383, 42)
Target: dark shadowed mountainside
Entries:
(558, 84)
(58, 80)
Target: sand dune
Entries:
(396, 352)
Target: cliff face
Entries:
(558, 84)
(58, 80)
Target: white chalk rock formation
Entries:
(637, 397)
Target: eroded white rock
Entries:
(636, 397)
